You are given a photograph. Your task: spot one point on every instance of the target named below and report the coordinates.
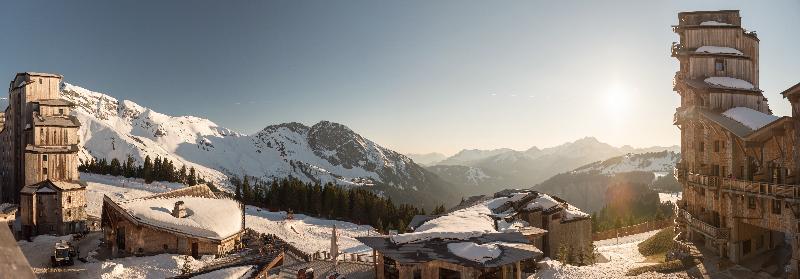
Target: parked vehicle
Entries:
(63, 254)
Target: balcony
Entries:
(762, 188)
(703, 227)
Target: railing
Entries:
(705, 228)
(705, 180)
(763, 188)
(731, 184)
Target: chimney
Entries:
(180, 210)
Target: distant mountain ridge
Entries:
(507, 168)
(325, 152)
(427, 158)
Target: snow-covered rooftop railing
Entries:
(753, 119)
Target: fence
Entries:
(630, 230)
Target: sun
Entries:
(617, 99)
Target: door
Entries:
(194, 250)
(121, 238)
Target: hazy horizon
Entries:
(414, 76)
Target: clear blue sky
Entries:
(415, 76)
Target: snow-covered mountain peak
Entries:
(325, 152)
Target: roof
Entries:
(731, 125)
(737, 124)
(323, 268)
(512, 246)
(51, 149)
(55, 121)
(418, 220)
(207, 217)
(794, 90)
(12, 262)
(54, 102)
(700, 83)
(49, 186)
(38, 74)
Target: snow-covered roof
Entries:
(718, 50)
(730, 82)
(488, 250)
(715, 23)
(475, 252)
(748, 117)
(206, 217)
(488, 216)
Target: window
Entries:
(166, 247)
(746, 247)
(776, 207)
(716, 146)
(61, 111)
(44, 158)
(41, 135)
(751, 202)
(719, 65)
(69, 199)
(44, 171)
(69, 213)
(40, 81)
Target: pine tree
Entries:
(147, 170)
(192, 178)
(247, 194)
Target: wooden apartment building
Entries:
(739, 168)
(38, 157)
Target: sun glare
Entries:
(616, 100)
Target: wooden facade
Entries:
(126, 235)
(41, 144)
(740, 182)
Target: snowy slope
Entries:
(657, 162)
(325, 152)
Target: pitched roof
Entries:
(209, 217)
(794, 90)
(49, 186)
(513, 247)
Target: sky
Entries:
(414, 76)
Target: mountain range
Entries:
(325, 152)
(485, 171)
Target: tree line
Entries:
(353, 204)
(630, 204)
(151, 170)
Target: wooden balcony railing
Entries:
(738, 185)
(705, 228)
(764, 188)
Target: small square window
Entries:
(44, 158)
(719, 65)
(751, 202)
(44, 171)
(61, 111)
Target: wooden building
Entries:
(510, 223)
(52, 207)
(739, 163)
(38, 157)
(191, 221)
